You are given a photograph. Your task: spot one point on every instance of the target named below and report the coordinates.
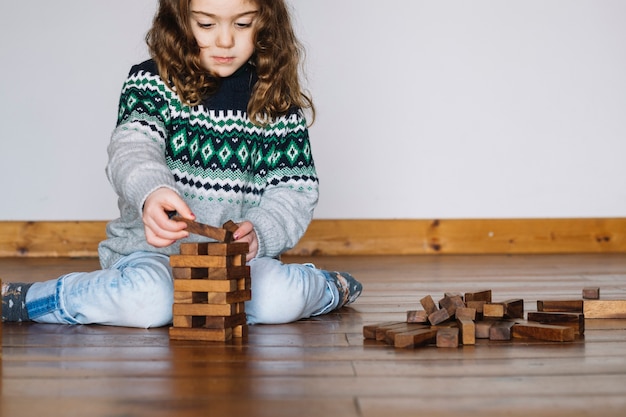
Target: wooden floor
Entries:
(323, 366)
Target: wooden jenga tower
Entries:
(211, 284)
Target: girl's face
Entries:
(224, 30)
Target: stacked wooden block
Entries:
(211, 285)
(459, 319)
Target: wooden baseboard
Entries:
(363, 237)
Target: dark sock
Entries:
(14, 301)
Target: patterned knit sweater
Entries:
(221, 164)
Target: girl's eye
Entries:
(243, 25)
(205, 25)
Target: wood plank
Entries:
(363, 237)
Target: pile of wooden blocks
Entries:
(211, 285)
(459, 319)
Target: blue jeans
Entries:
(138, 292)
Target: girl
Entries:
(212, 127)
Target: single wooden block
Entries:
(428, 304)
(193, 248)
(563, 306)
(478, 306)
(206, 261)
(605, 309)
(233, 272)
(208, 285)
(540, 331)
(573, 320)
(514, 309)
(466, 313)
(390, 335)
(439, 316)
(369, 330)
(591, 293)
(454, 294)
(231, 226)
(494, 310)
(501, 330)
(415, 338)
(451, 304)
(416, 316)
(448, 337)
(201, 229)
(483, 328)
(240, 331)
(209, 335)
(484, 295)
(229, 297)
(223, 322)
(207, 309)
(467, 329)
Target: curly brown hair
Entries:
(278, 58)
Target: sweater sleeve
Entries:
(291, 190)
(136, 152)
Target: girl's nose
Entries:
(225, 38)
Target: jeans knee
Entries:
(148, 296)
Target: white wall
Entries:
(426, 109)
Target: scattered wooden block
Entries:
(428, 304)
(501, 330)
(540, 331)
(514, 309)
(416, 316)
(605, 309)
(467, 329)
(381, 331)
(478, 306)
(591, 293)
(390, 335)
(562, 306)
(415, 338)
(573, 320)
(369, 330)
(448, 337)
(466, 313)
(482, 328)
(494, 310)
(439, 316)
(484, 295)
(451, 304)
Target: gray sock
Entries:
(14, 301)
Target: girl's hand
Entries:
(160, 230)
(246, 233)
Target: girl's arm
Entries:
(291, 192)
